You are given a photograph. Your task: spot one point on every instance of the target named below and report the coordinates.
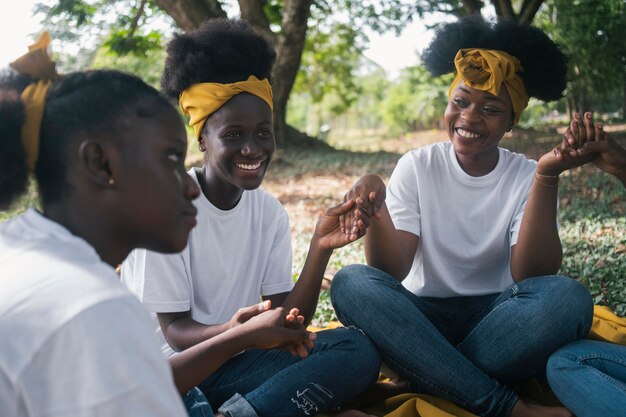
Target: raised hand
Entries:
(369, 193)
(609, 156)
(329, 232)
(565, 156)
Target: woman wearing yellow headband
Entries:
(107, 153)
(241, 248)
(460, 294)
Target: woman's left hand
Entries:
(564, 156)
(328, 229)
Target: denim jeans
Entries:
(589, 378)
(197, 404)
(342, 364)
(464, 349)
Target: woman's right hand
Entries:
(277, 329)
(369, 193)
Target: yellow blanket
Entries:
(606, 326)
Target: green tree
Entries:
(416, 100)
(591, 33)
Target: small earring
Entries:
(111, 181)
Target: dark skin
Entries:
(238, 146)
(98, 210)
(476, 122)
(131, 211)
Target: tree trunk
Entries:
(189, 14)
(472, 6)
(504, 10)
(529, 10)
(289, 47)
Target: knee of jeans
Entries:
(363, 351)
(344, 282)
(563, 359)
(570, 302)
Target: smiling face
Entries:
(156, 191)
(476, 122)
(238, 145)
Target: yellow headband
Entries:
(487, 70)
(37, 64)
(201, 100)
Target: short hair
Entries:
(221, 51)
(544, 65)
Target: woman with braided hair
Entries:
(460, 295)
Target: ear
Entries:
(94, 158)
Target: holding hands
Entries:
(369, 194)
(270, 329)
(584, 142)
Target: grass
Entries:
(592, 213)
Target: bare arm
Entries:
(538, 250)
(182, 332)
(327, 237)
(388, 249)
(264, 331)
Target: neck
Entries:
(221, 194)
(94, 226)
(478, 165)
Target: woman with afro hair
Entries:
(460, 295)
(240, 250)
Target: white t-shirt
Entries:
(466, 224)
(232, 258)
(74, 341)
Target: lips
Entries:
(249, 166)
(466, 133)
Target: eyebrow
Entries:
(486, 96)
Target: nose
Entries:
(470, 113)
(251, 148)
(191, 191)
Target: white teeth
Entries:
(467, 134)
(249, 167)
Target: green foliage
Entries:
(591, 33)
(415, 101)
(148, 67)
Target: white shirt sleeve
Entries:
(160, 281)
(277, 275)
(103, 362)
(403, 198)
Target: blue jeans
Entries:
(464, 349)
(589, 378)
(342, 364)
(197, 404)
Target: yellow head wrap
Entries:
(201, 100)
(37, 64)
(487, 70)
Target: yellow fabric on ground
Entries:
(606, 326)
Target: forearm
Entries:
(305, 293)
(538, 249)
(192, 366)
(383, 248)
(184, 333)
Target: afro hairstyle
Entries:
(220, 51)
(544, 65)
